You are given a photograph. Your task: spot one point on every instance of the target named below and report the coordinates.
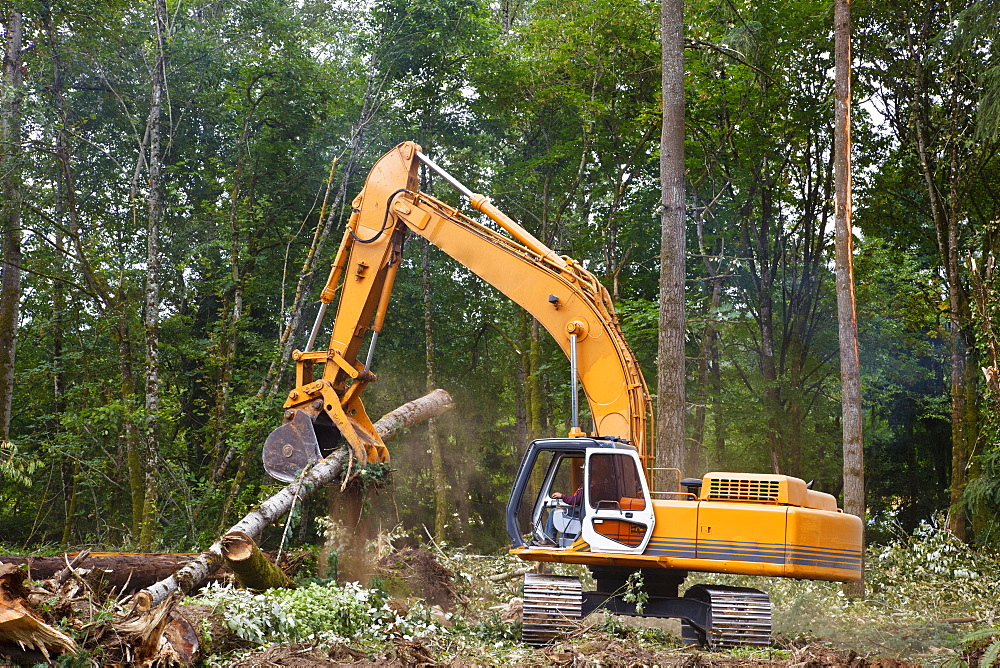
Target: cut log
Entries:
(195, 571)
(252, 568)
(20, 624)
(123, 571)
(323, 472)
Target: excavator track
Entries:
(552, 605)
(740, 616)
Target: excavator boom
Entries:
(564, 297)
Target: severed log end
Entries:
(20, 624)
(252, 568)
(413, 412)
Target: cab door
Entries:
(619, 511)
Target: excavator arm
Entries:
(564, 297)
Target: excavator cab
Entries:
(612, 511)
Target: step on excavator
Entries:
(594, 504)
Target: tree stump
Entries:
(252, 567)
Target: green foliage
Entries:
(992, 650)
(634, 591)
(554, 112)
(16, 468)
(319, 612)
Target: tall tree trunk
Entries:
(151, 315)
(670, 349)
(433, 439)
(11, 95)
(947, 218)
(850, 365)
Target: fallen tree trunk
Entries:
(323, 472)
(123, 571)
(252, 568)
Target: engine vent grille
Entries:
(723, 489)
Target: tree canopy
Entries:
(251, 126)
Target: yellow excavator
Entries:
(594, 504)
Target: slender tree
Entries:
(151, 315)
(850, 366)
(670, 351)
(11, 94)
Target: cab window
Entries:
(615, 483)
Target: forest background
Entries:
(176, 176)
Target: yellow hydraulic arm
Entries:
(564, 297)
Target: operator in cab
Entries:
(573, 499)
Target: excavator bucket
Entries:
(291, 447)
(304, 438)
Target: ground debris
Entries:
(20, 624)
(819, 655)
(303, 655)
(399, 654)
(415, 572)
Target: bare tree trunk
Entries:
(151, 314)
(11, 94)
(946, 222)
(670, 350)
(850, 365)
(433, 439)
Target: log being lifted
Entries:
(326, 470)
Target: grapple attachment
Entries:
(291, 447)
(315, 425)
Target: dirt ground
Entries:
(578, 653)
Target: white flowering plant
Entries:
(323, 612)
